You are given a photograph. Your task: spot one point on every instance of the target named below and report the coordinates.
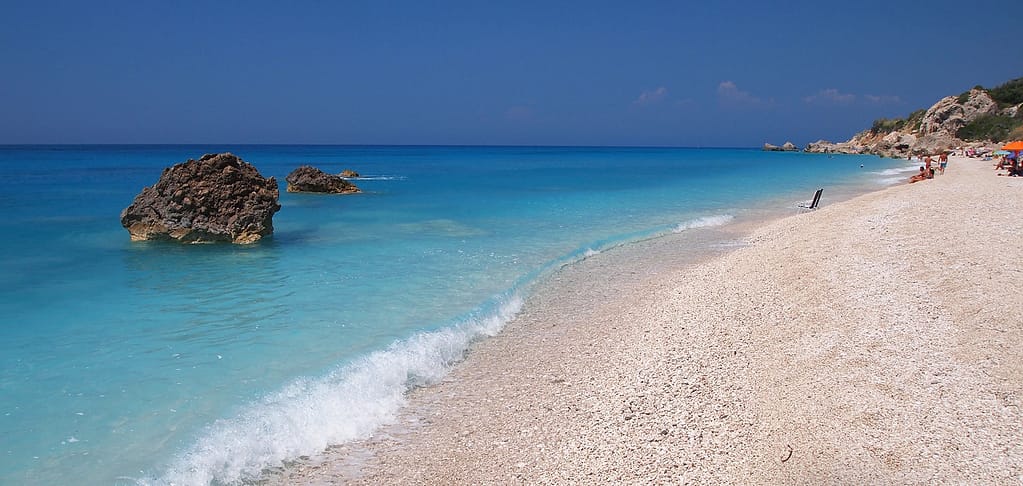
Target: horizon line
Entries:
(5, 145)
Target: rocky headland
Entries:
(785, 147)
(219, 197)
(978, 118)
(310, 179)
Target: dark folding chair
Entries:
(815, 202)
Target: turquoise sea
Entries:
(157, 363)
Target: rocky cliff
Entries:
(939, 128)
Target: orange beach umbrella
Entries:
(1014, 146)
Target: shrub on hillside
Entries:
(990, 127)
(1010, 93)
(915, 119)
(1016, 134)
(886, 125)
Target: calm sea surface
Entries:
(157, 363)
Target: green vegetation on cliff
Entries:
(990, 127)
(1008, 94)
(998, 126)
(888, 125)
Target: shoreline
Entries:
(847, 344)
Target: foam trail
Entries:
(704, 222)
(896, 175)
(376, 178)
(308, 415)
(898, 170)
(590, 252)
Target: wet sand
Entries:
(875, 340)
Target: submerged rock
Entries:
(219, 197)
(310, 179)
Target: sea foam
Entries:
(308, 415)
(895, 175)
(704, 222)
(897, 170)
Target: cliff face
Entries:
(935, 131)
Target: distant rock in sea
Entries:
(219, 197)
(786, 147)
(349, 173)
(310, 179)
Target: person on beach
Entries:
(1015, 170)
(918, 177)
(1011, 164)
(927, 163)
(942, 162)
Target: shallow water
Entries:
(156, 362)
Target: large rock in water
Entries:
(219, 197)
(310, 179)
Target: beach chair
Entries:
(816, 200)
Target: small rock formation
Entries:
(349, 173)
(826, 147)
(219, 197)
(786, 147)
(310, 179)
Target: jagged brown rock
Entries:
(948, 115)
(310, 179)
(349, 173)
(219, 197)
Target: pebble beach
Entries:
(874, 340)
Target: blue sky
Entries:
(724, 73)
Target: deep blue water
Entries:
(145, 362)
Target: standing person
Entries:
(927, 163)
(942, 162)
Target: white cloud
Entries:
(883, 100)
(730, 93)
(830, 96)
(651, 96)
